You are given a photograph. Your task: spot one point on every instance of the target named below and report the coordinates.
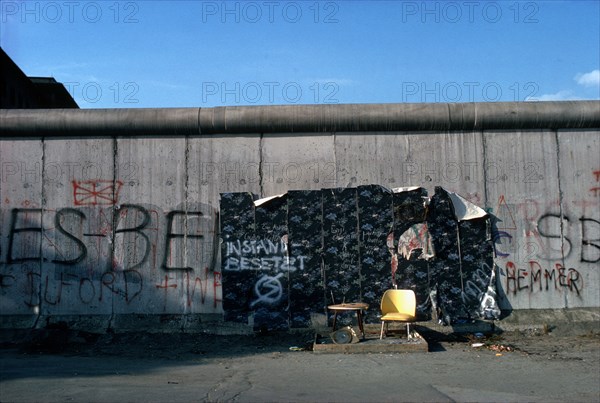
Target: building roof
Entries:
(17, 91)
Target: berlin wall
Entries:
(153, 218)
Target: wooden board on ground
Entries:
(372, 344)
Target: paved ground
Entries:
(532, 366)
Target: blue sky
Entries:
(123, 54)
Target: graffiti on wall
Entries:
(286, 258)
(352, 244)
(96, 192)
(546, 246)
(85, 258)
(595, 189)
(534, 278)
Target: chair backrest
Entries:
(401, 301)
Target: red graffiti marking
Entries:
(166, 284)
(193, 283)
(96, 192)
(202, 282)
(596, 189)
(502, 206)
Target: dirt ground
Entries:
(537, 342)
(520, 366)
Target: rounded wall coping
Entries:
(301, 119)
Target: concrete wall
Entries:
(113, 219)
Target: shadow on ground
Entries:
(145, 345)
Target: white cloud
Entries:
(591, 79)
(587, 80)
(564, 95)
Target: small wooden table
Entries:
(358, 307)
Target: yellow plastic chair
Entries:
(398, 306)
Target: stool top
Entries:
(349, 306)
